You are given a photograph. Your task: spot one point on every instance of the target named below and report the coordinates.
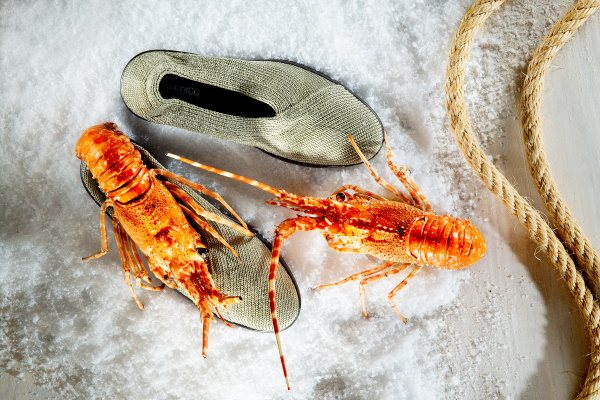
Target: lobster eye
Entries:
(340, 197)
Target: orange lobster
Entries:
(147, 214)
(404, 232)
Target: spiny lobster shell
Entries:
(114, 162)
(400, 232)
(444, 241)
(147, 214)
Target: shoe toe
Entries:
(316, 130)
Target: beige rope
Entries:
(533, 221)
(568, 229)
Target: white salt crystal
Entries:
(72, 325)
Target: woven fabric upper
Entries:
(246, 277)
(314, 115)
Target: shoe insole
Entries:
(213, 98)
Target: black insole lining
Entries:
(213, 98)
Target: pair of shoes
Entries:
(285, 109)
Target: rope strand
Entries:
(569, 230)
(531, 219)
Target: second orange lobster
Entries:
(354, 220)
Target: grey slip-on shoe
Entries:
(288, 110)
(246, 277)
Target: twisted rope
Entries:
(531, 219)
(568, 228)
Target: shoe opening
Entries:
(213, 98)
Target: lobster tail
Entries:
(113, 162)
(444, 242)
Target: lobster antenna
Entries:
(240, 178)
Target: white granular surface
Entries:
(72, 327)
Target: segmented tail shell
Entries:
(444, 242)
(113, 162)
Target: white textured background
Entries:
(503, 329)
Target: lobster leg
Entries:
(201, 189)
(376, 176)
(206, 317)
(395, 291)
(359, 275)
(284, 230)
(124, 260)
(139, 272)
(183, 196)
(361, 286)
(208, 228)
(123, 252)
(202, 289)
(193, 287)
(206, 320)
(401, 173)
(102, 232)
(164, 276)
(335, 243)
